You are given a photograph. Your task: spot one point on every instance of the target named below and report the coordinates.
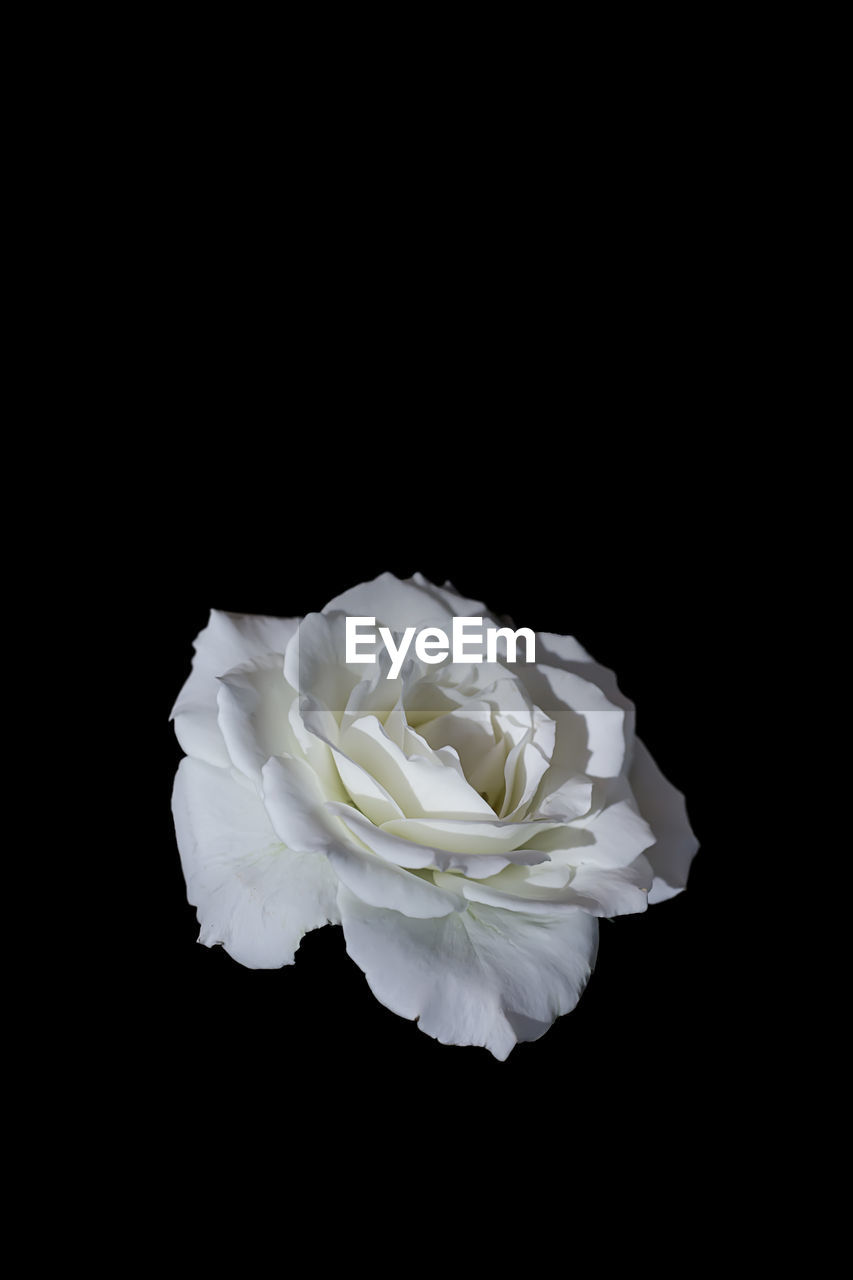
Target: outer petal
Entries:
(483, 976)
(590, 728)
(228, 640)
(616, 891)
(393, 602)
(603, 891)
(314, 666)
(297, 807)
(254, 704)
(254, 896)
(569, 801)
(613, 837)
(456, 604)
(380, 884)
(664, 808)
(566, 653)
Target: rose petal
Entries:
(566, 653)
(380, 884)
(411, 743)
(254, 896)
(483, 976)
(614, 837)
(664, 808)
(297, 807)
(405, 853)
(467, 837)
(603, 891)
(378, 696)
(420, 785)
(254, 704)
(571, 800)
(470, 732)
(590, 728)
(457, 605)
(524, 770)
(318, 753)
(613, 891)
(228, 640)
(314, 666)
(393, 602)
(319, 738)
(370, 796)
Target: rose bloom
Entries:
(466, 823)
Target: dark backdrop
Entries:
(578, 492)
(592, 523)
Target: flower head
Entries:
(466, 822)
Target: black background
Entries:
(550, 391)
(582, 477)
(602, 523)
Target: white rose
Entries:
(466, 824)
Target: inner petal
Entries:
(421, 785)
